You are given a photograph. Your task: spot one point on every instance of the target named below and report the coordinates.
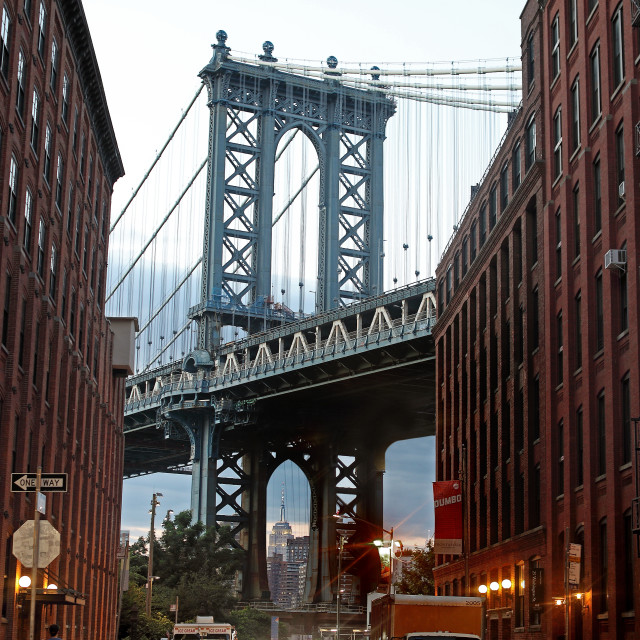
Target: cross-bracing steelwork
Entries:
(329, 390)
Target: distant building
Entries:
(537, 338)
(287, 558)
(61, 364)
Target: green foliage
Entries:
(195, 564)
(251, 624)
(417, 575)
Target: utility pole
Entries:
(340, 547)
(152, 535)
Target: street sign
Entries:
(49, 544)
(24, 482)
(41, 502)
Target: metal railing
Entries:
(354, 342)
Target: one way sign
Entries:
(48, 482)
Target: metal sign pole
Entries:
(36, 556)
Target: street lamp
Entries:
(393, 546)
(340, 548)
(150, 576)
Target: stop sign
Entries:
(49, 547)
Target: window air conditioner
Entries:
(615, 258)
(621, 190)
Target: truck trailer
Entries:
(413, 617)
(204, 628)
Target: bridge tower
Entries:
(236, 448)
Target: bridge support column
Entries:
(254, 502)
(204, 475)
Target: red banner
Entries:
(447, 503)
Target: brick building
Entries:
(537, 337)
(61, 373)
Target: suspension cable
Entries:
(157, 158)
(155, 233)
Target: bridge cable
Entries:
(155, 233)
(168, 299)
(175, 337)
(157, 158)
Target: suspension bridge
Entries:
(282, 314)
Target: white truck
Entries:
(204, 628)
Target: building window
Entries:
(449, 279)
(472, 240)
(28, 221)
(558, 245)
(597, 197)
(573, 22)
(530, 61)
(534, 410)
(530, 144)
(560, 350)
(560, 454)
(516, 163)
(23, 318)
(36, 336)
(578, 329)
(579, 449)
(65, 98)
(42, 25)
(75, 130)
(557, 143)
(35, 116)
(72, 313)
(63, 300)
(493, 206)
(596, 101)
(53, 273)
(592, 4)
(555, 47)
(83, 152)
(535, 329)
(20, 85)
(617, 46)
(465, 253)
(629, 582)
(599, 313)
(575, 115)
(47, 154)
(602, 583)
(6, 314)
(85, 249)
(483, 223)
(4, 43)
(54, 65)
(76, 242)
(13, 190)
(504, 187)
(620, 164)
(70, 209)
(59, 181)
(623, 299)
(626, 420)
(602, 436)
(534, 514)
(576, 220)
(42, 232)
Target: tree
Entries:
(251, 624)
(417, 574)
(195, 563)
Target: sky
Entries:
(149, 54)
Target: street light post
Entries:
(340, 548)
(152, 535)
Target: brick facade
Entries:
(61, 406)
(537, 342)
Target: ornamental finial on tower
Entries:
(267, 56)
(332, 63)
(220, 47)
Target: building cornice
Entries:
(77, 30)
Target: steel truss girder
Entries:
(251, 108)
(349, 483)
